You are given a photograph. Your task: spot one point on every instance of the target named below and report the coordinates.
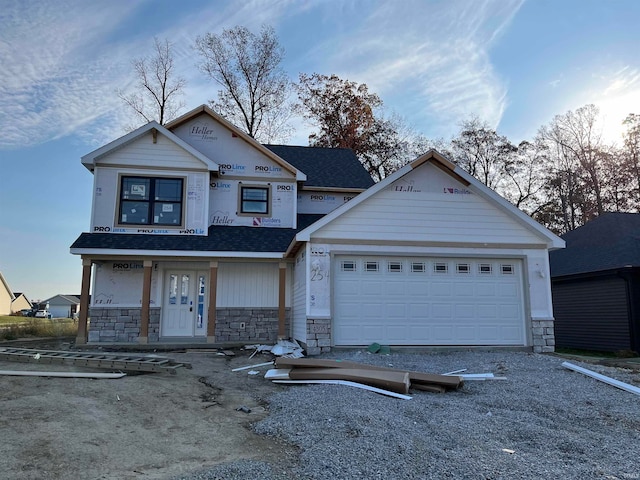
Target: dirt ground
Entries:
(151, 426)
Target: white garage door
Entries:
(427, 301)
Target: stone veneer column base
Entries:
(318, 336)
(544, 340)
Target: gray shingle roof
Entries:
(610, 241)
(326, 167)
(219, 239)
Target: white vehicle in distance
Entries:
(43, 314)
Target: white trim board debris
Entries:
(350, 384)
(603, 378)
(25, 373)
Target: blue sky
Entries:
(515, 64)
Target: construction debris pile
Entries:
(380, 379)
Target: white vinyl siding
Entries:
(436, 306)
(247, 285)
(428, 215)
(142, 152)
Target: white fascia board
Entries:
(552, 240)
(172, 253)
(89, 159)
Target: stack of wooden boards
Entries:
(392, 379)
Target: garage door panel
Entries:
(442, 335)
(463, 289)
(422, 301)
(441, 311)
(510, 291)
(395, 311)
(396, 288)
(440, 289)
(485, 289)
(487, 311)
(415, 288)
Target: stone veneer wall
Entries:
(544, 339)
(260, 324)
(318, 336)
(121, 325)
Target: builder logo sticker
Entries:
(457, 191)
(202, 131)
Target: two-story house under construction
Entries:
(201, 234)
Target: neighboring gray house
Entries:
(595, 282)
(200, 233)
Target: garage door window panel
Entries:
(371, 267)
(418, 267)
(506, 268)
(348, 266)
(440, 268)
(394, 267)
(463, 268)
(485, 269)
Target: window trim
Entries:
(257, 186)
(151, 201)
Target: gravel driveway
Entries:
(543, 422)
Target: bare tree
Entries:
(255, 89)
(158, 90)
(523, 185)
(578, 143)
(483, 153)
(631, 155)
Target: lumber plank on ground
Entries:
(388, 380)
(419, 378)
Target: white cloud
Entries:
(436, 54)
(62, 61)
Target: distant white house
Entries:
(63, 306)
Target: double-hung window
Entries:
(151, 201)
(254, 200)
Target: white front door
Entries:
(184, 309)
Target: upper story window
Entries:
(254, 200)
(151, 201)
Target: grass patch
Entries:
(596, 353)
(23, 327)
